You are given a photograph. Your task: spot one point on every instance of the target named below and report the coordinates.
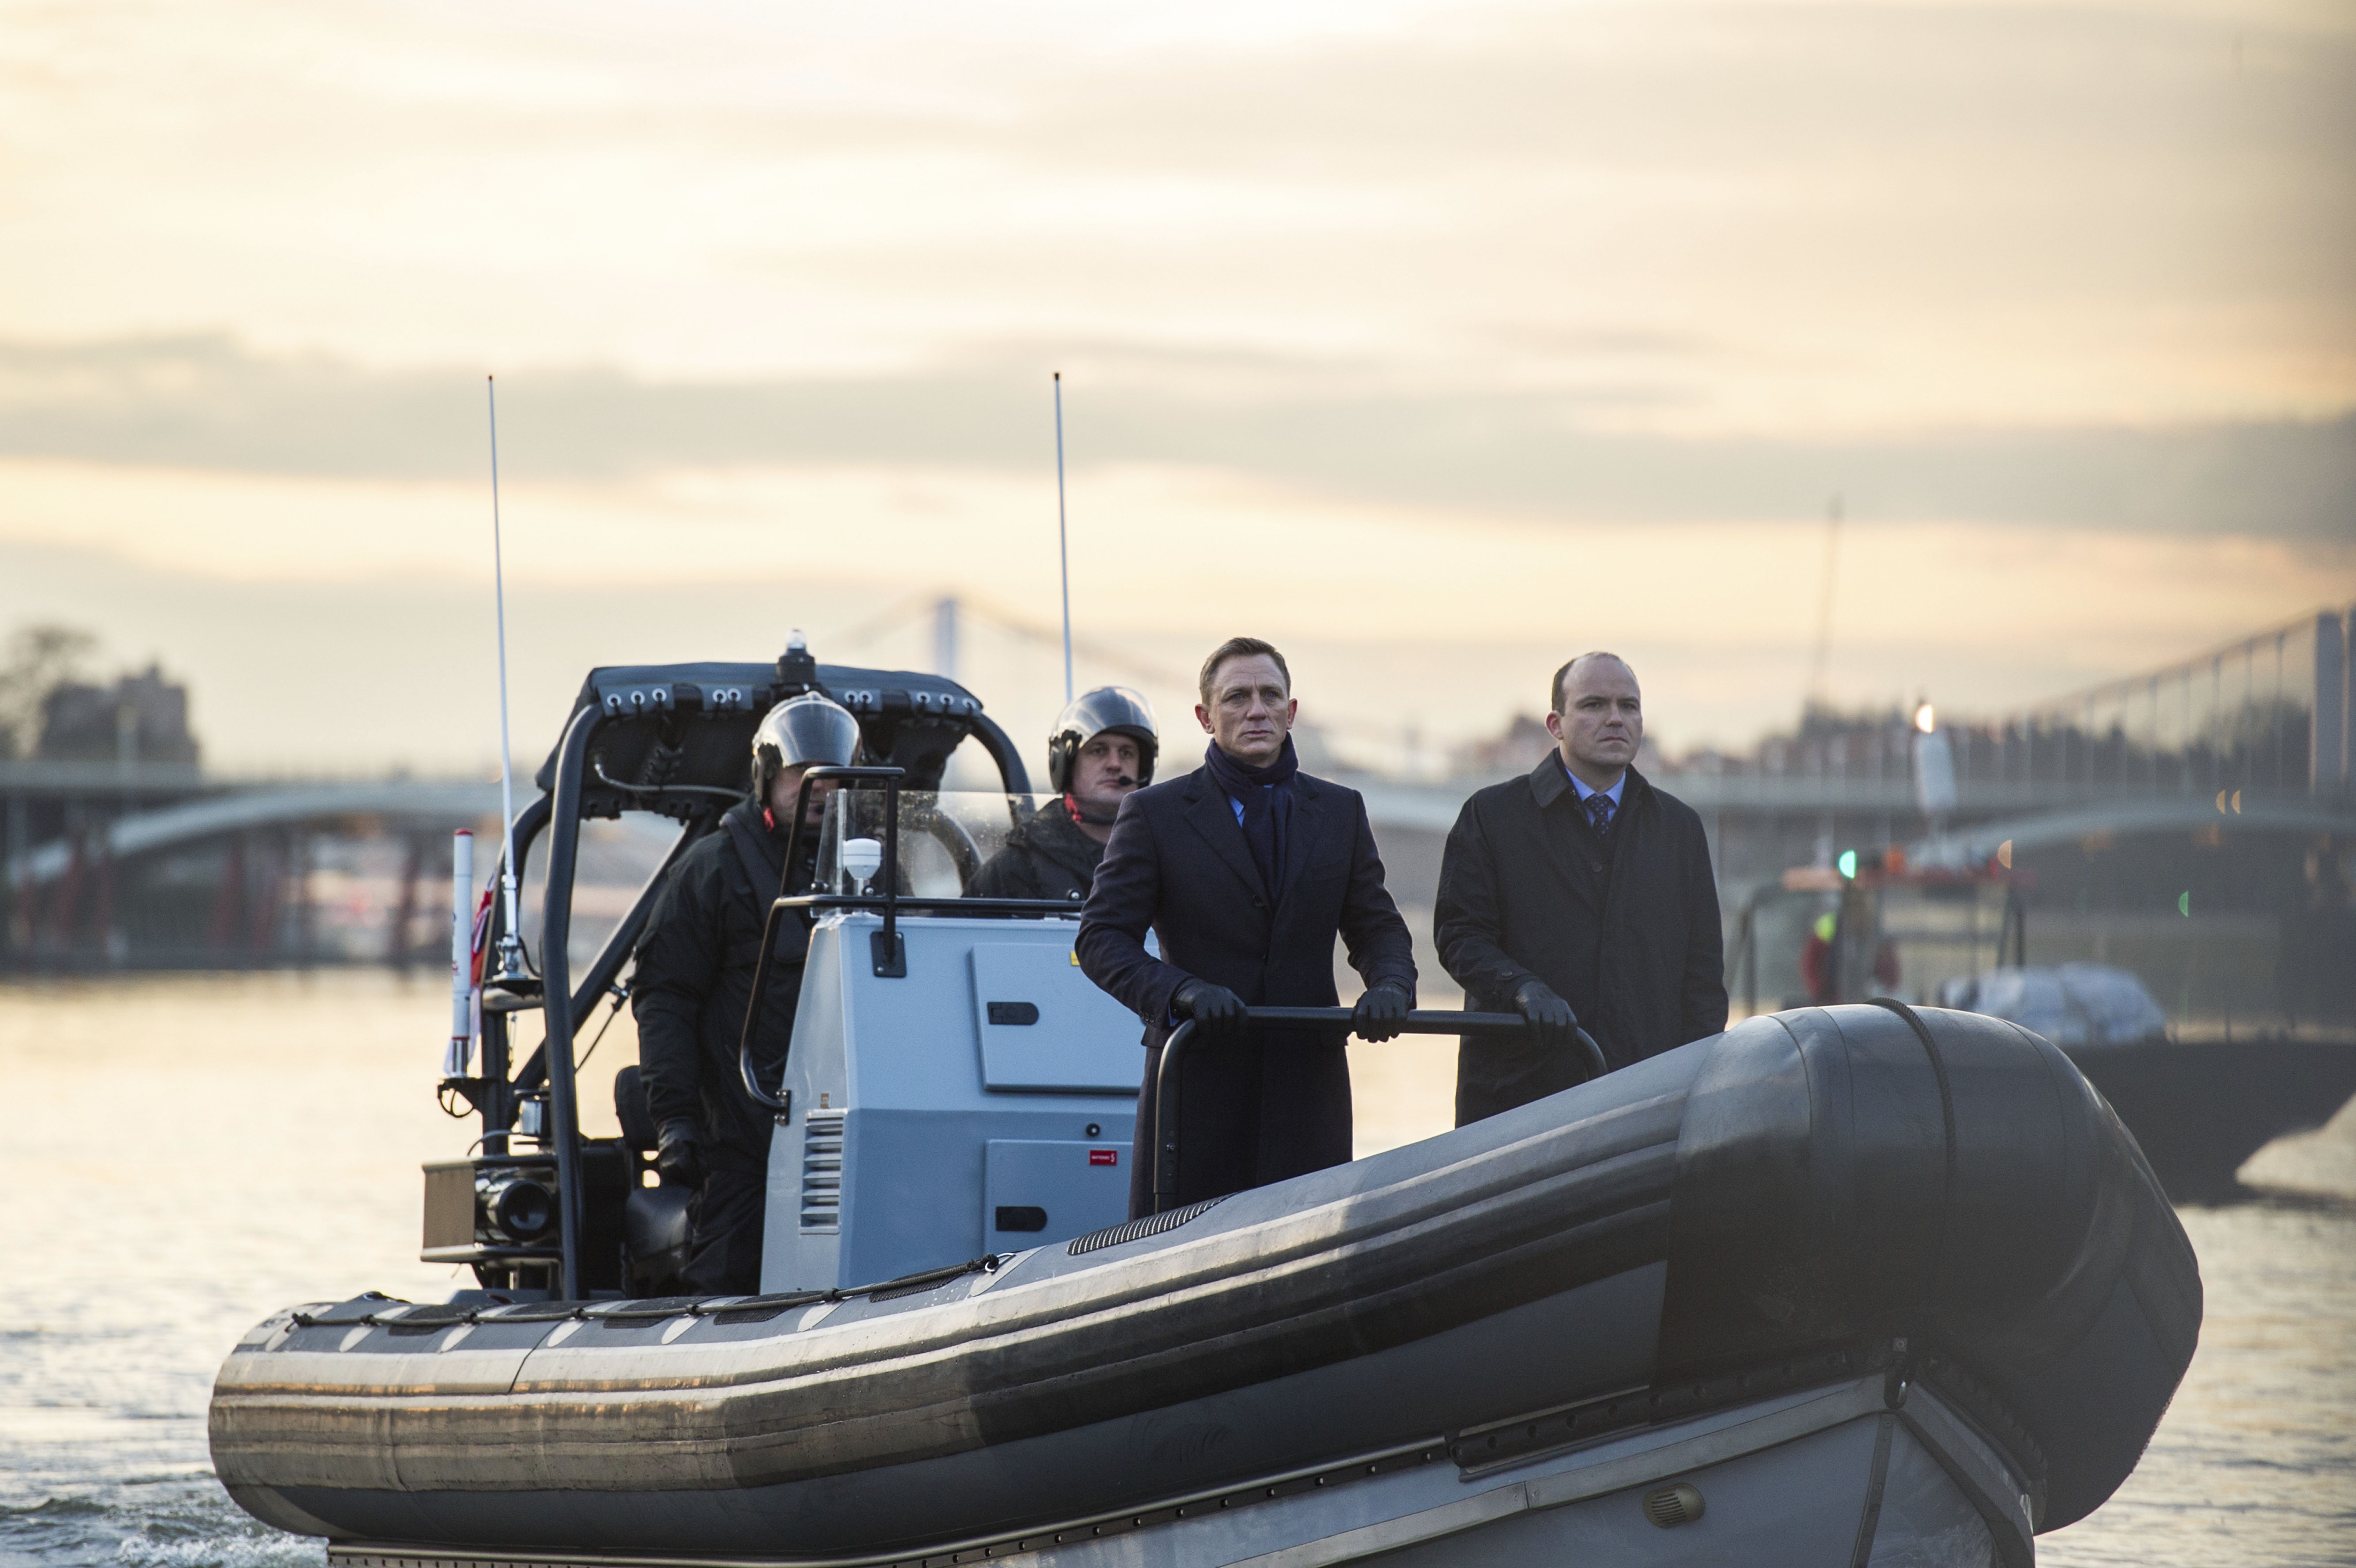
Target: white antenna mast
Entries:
(511, 937)
(1062, 539)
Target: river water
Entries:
(180, 1157)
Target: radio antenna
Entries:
(1062, 539)
(511, 936)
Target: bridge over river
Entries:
(162, 865)
(2195, 821)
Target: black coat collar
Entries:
(1050, 832)
(1573, 854)
(1300, 838)
(1209, 814)
(1550, 782)
(1214, 816)
(1305, 786)
(744, 825)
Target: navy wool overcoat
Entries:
(1269, 1103)
(1623, 927)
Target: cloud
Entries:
(1326, 428)
(1447, 629)
(1852, 215)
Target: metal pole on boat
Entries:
(511, 934)
(1169, 1071)
(562, 1132)
(462, 955)
(1062, 539)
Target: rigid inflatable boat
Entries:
(1858, 1285)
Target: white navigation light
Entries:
(862, 858)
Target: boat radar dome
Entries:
(1109, 710)
(810, 729)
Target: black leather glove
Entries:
(1379, 1012)
(1551, 1020)
(678, 1153)
(1215, 1008)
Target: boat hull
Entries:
(1825, 1475)
(2200, 1108)
(1934, 1213)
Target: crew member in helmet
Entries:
(1100, 750)
(694, 980)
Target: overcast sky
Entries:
(1435, 341)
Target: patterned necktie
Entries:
(1599, 814)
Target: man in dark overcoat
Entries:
(1579, 894)
(1246, 870)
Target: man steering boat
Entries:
(694, 982)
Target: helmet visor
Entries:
(1117, 708)
(807, 730)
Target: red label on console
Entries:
(1104, 1157)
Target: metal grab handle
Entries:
(779, 907)
(1169, 1075)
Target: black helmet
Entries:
(811, 729)
(1113, 709)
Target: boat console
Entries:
(964, 1130)
(955, 1087)
(982, 1102)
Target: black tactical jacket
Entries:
(1046, 857)
(694, 979)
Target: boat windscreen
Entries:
(946, 837)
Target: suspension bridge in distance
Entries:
(2223, 780)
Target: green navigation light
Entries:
(1849, 864)
(2184, 905)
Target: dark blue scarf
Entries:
(1265, 794)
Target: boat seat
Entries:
(631, 1109)
(655, 1240)
(654, 1218)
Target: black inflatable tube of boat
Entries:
(1846, 1177)
(1862, 1173)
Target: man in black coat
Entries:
(694, 981)
(1246, 870)
(1102, 747)
(1579, 894)
(1049, 855)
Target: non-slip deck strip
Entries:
(1138, 1229)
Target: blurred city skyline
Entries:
(1434, 342)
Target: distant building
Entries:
(141, 718)
(1524, 741)
(1314, 752)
